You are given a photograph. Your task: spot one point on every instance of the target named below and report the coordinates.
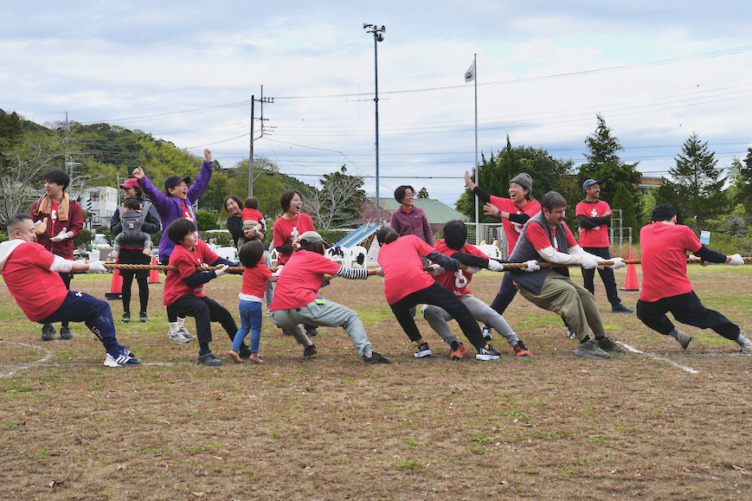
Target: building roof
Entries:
(436, 212)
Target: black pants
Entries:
(134, 256)
(171, 316)
(607, 275)
(438, 296)
(687, 309)
(205, 311)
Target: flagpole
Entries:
(477, 211)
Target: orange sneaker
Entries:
(520, 350)
(457, 352)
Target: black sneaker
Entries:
(487, 353)
(376, 358)
(312, 332)
(245, 351)
(310, 351)
(209, 360)
(65, 333)
(48, 332)
(605, 344)
(143, 317)
(422, 351)
(286, 332)
(126, 317)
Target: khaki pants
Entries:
(564, 297)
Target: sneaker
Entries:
(605, 344)
(48, 332)
(681, 337)
(286, 332)
(126, 351)
(126, 317)
(187, 335)
(746, 349)
(244, 351)
(310, 351)
(590, 349)
(520, 350)
(572, 334)
(487, 353)
(177, 337)
(312, 332)
(620, 308)
(422, 351)
(209, 360)
(375, 358)
(458, 351)
(143, 317)
(122, 360)
(65, 333)
(486, 331)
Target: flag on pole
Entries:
(470, 73)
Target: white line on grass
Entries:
(658, 357)
(32, 364)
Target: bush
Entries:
(206, 220)
(83, 238)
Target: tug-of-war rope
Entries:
(506, 266)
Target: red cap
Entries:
(130, 183)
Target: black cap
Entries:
(173, 181)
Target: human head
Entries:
(21, 227)
(592, 188)
(179, 229)
(554, 207)
(55, 182)
(131, 204)
(210, 240)
(291, 200)
(402, 191)
(455, 234)
(386, 235)
(229, 207)
(312, 241)
(251, 203)
(176, 186)
(131, 189)
(663, 213)
(520, 187)
(251, 253)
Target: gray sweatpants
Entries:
(330, 314)
(437, 318)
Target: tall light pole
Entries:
(378, 36)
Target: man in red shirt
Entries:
(594, 219)
(665, 286)
(32, 275)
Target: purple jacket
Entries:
(414, 223)
(171, 208)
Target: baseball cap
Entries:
(590, 182)
(173, 181)
(311, 236)
(131, 182)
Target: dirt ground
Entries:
(657, 424)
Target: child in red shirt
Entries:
(255, 277)
(183, 290)
(252, 220)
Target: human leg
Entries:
(192, 306)
(126, 293)
(653, 315)
(143, 296)
(437, 318)
(284, 320)
(336, 315)
(688, 309)
(245, 327)
(441, 297)
(484, 313)
(506, 294)
(269, 284)
(65, 332)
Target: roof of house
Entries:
(436, 211)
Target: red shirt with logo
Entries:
(299, 281)
(186, 260)
(456, 281)
(403, 267)
(254, 280)
(664, 260)
(537, 236)
(598, 236)
(288, 231)
(514, 230)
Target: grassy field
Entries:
(658, 424)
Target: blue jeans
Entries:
(250, 320)
(95, 313)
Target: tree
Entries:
(696, 189)
(743, 182)
(337, 204)
(603, 164)
(423, 193)
(623, 201)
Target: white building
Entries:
(100, 202)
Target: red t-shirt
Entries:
(456, 281)
(186, 260)
(186, 213)
(537, 236)
(252, 215)
(514, 230)
(664, 260)
(288, 231)
(403, 268)
(38, 291)
(598, 236)
(254, 280)
(300, 280)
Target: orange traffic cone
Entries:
(631, 283)
(154, 275)
(116, 286)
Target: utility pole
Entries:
(250, 158)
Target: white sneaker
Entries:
(121, 361)
(747, 348)
(177, 337)
(184, 332)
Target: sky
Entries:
(186, 71)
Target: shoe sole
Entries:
(595, 356)
(422, 354)
(182, 340)
(487, 357)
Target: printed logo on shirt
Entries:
(594, 213)
(295, 235)
(460, 280)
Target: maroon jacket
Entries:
(414, 223)
(74, 223)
